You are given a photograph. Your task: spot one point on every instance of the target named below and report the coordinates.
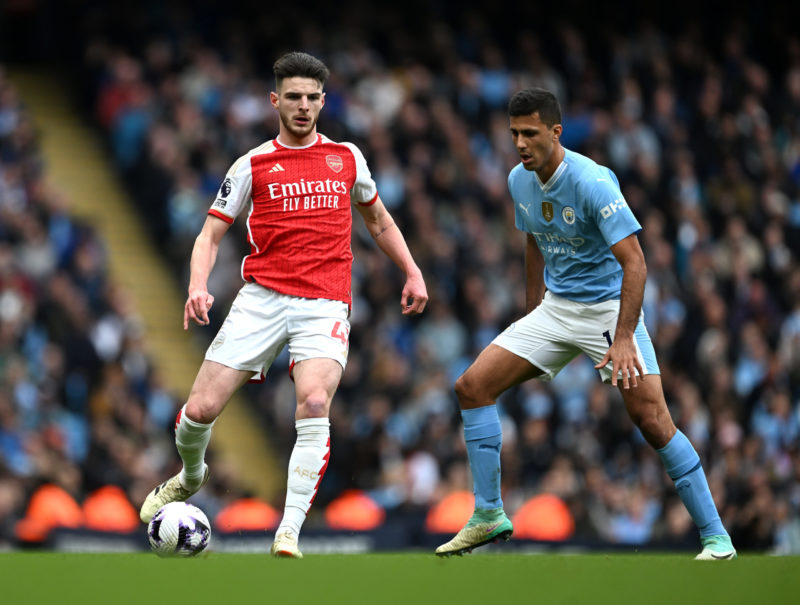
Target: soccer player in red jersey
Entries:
(297, 190)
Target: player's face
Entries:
(298, 101)
(536, 144)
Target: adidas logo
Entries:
(277, 168)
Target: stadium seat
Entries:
(451, 513)
(544, 517)
(108, 509)
(246, 514)
(50, 506)
(354, 510)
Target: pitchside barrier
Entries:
(323, 541)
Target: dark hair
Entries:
(300, 65)
(536, 100)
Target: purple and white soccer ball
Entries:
(179, 529)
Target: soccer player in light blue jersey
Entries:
(585, 277)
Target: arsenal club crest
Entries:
(547, 211)
(334, 162)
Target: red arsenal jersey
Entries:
(298, 214)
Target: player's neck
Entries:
(287, 139)
(555, 161)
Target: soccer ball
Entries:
(179, 529)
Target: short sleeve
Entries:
(611, 212)
(235, 191)
(364, 191)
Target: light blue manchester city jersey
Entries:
(575, 217)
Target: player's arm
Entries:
(204, 255)
(534, 274)
(391, 241)
(622, 352)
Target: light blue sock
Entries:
(484, 438)
(684, 468)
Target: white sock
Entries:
(307, 465)
(191, 439)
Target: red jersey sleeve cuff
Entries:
(225, 218)
(369, 203)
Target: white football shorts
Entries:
(261, 322)
(558, 330)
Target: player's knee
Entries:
(201, 410)
(655, 427)
(462, 388)
(466, 391)
(647, 423)
(314, 405)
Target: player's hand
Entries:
(624, 360)
(197, 307)
(415, 295)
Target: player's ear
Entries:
(273, 98)
(557, 129)
(322, 101)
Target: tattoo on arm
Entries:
(382, 231)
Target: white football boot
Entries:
(170, 491)
(483, 527)
(285, 546)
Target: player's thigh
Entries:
(494, 371)
(595, 329)
(319, 339)
(213, 387)
(542, 338)
(253, 333)
(318, 329)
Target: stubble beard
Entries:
(296, 131)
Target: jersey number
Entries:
(607, 334)
(339, 333)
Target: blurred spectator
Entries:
(81, 409)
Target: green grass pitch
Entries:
(488, 579)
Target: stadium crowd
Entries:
(703, 131)
(77, 390)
